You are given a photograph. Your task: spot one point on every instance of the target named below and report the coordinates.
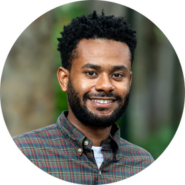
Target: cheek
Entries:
(126, 89)
(123, 89)
(123, 93)
(82, 86)
(76, 80)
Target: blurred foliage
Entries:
(157, 141)
(159, 35)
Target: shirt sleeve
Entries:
(20, 145)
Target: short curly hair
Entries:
(92, 27)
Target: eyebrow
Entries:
(120, 67)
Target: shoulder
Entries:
(130, 151)
(37, 138)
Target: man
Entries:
(84, 146)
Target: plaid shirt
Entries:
(64, 152)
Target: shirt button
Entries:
(80, 150)
(86, 143)
(99, 173)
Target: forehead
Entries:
(102, 52)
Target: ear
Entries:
(63, 77)
(130, 78)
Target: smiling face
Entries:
(99, 82)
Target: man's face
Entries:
(99, 82)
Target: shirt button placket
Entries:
(86, 142)
(80, 151)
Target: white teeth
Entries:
(102, 101)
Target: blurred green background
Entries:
(31, 97)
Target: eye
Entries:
(91, 73)
(117, 75)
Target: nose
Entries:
(104, 84)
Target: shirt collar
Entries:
(72, 132)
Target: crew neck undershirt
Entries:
(98, 155)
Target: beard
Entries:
(89, 118)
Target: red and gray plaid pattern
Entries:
(64, 152)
